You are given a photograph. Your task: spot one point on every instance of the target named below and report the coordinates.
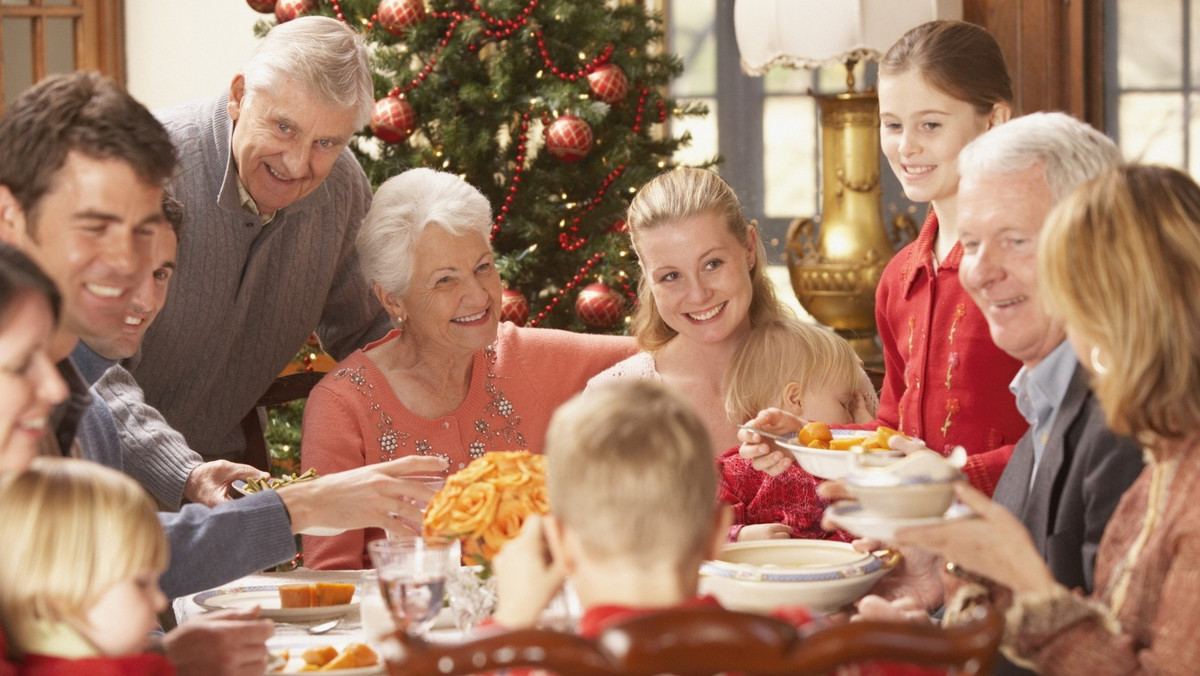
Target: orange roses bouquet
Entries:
(485, 503)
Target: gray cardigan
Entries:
(247, 296)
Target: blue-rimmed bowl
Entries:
(762, 575)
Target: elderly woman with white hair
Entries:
(451, 380)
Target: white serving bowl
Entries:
(913, 500)
(821, 575)
(825, 464)
(919, 486)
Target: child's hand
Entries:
(863, 407)
(526, 577)
(764, 531)
(762, 454)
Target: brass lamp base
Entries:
(834, 272)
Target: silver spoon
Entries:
(324, 626)
(769, 435)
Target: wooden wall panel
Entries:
(1053, 49)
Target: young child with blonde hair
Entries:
(83, 550)
(810, 372)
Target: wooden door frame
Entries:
(99, 35)
(1054, 50)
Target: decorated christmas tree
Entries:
(554, 109)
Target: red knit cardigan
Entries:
(945, 382)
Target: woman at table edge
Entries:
(30, 385)
(451, 380)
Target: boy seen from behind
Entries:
(633, 510)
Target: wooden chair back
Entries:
(285, 388)
(704, 641)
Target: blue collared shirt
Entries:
(1040, 392)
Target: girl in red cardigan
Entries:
(79, 571)
(940, 86)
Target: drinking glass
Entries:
(412, 577)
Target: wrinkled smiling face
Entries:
(999, 219)
(453, 299)
(922, 130)
(700, 277)
(285, 141)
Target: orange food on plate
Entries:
(874, 441)
(313, 595)
(327, 658)
(320, 655)
(815, 431)
(297, 596)
(354, 656)
(334, 593)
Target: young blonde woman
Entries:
(703, 286)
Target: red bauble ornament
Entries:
(608, 83)
(264, 6)
(396, 16)
(619, 228)
(514, 307)
(393, 119)
(599, 306)
(569, 138)
(286, 10)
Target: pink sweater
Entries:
(353, 418)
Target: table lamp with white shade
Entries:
(836, 267)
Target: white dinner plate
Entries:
(239, 490)
(267, 598)
(852, 518)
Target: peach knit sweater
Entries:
(353, 418)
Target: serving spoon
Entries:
(764, 433)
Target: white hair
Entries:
(1071, 151)
(323, 55)
(401, 210)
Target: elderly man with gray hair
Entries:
(1069, 470)
(273, 199)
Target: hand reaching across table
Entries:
(370, 496)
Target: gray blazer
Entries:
(1084, 471)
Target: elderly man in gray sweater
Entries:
(272, 200)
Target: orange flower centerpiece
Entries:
(486, 503)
